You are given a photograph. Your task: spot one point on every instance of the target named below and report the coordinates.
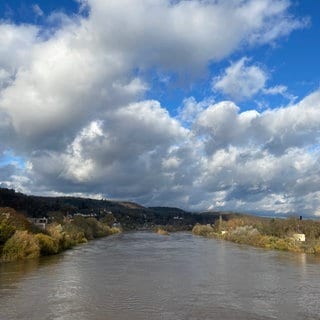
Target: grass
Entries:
(274, 234)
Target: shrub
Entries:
(312, 246)
(55, 230)
(6, 229)
(91, 227)
(22, 245)
(10, 221)
(47, 244)
(244, 234)
(72, 235)
(109, 219)
(114, 230)
(67, 235)
(20, 222)
(203, 230)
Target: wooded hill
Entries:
(129, 214)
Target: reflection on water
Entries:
(146, 276)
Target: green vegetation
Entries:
(47, 245)
(22, 245)
(91, 227)
(265, 233)
(20, 239)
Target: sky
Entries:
(198, 104)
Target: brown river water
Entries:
(142, 275)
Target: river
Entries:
(142, 275)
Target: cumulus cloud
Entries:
(255, 179)
(72, 104)
(188, 33)
(255, 158)
(241, 81)
(275, 130)
(191, 109)
(121, 155)
(93, 59)
(17, 42)
(177, 166)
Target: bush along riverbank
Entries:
(21, 239)
(289, 234)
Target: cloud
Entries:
(188, 34)
(115, 154)
(275, 130)
(280, 90)
(4, 78)
(172, 165)
(17, 43)
(265, 161)
(53, 95)
(6, 172)
(94, 58)
(191, 109)
(37, 10)
(241, 81)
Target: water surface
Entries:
(142, 275)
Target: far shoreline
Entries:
(291, 234)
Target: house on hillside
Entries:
(39, 222)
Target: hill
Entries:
(131, 215)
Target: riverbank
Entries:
(20, 239)
(276, 234)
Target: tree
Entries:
(109, 219)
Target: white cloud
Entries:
(280, 90)
(17, 43)
(241, 81)
(187, 33)
(191, 109)
(275, 130)
(90, 59)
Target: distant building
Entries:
(85, 215)
(39, 222)
(299, 237)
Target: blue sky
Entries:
(30, 11)
(198, 104)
